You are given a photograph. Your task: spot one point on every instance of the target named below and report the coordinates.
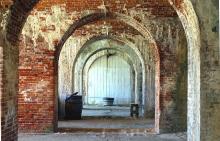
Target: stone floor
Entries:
(106, 117)
(104, 124)
(101, 137)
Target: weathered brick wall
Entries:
(8, 81)
(157, 7)
(210, 68)
(173, 95)
(36, 98)
(9, 90)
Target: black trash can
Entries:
(73, 107)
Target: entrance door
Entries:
(109, 76)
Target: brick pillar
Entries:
(8, 87)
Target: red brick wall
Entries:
(159, 8)
(36, 88)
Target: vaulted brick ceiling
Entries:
(21, 9)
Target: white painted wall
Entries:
(110, 77)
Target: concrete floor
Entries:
(101, 137)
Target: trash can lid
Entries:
(74, 96)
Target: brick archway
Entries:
(190, 23)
